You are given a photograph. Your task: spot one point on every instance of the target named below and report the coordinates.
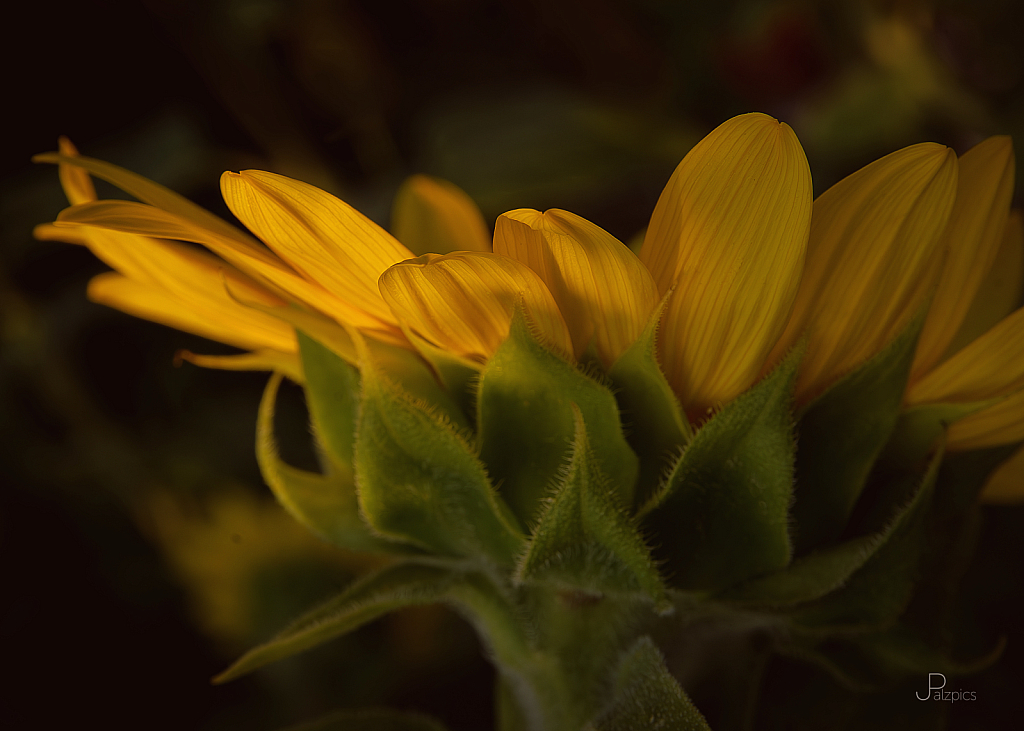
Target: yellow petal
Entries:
(729, 232)
(1002, 423)
(254, 259)
(872, 260)
(1000, 292)
(971, 241)
(1006, 485)
(464, 301)
(76, 182)
(260, 360)
(603, 291)
(323, 238)
(242, 328)
(431, 215)
(989, 367)
(154, 194)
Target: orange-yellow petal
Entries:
(432, 216)
(971, 242)
(322, 237)
(729, 232)
(872, 260)
(991, 366)
(1001, 290)
(1006, 485)
(602, 289)
(1002, 423)
(249, 330)
(464, 301)
(255, 260)
(76, 182)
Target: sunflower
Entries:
(738, 265)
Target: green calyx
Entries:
(578, 520)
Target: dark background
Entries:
(139, 551)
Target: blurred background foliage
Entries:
(140, 551)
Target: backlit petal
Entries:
(464, 301)
(1006, 485)
(136, 218)
(1001, 290)
(729, 232)
(1002, 423)
(322, 237)
(873, 258)
(431, 215)
(76, 182)
(971, 241)
(990, 366)
(603, 291)
(249, 330)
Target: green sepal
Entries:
(842, 433)
(525, 421)
(878, 592)
(407, 369)
(721, 517)
(371, 719)
(875, 660)
(332, 396)
(807, 578)
(457, 374)
(393, 587)
(658, 428)
(584, 540)
(420, 482)
(919, 428)
(326, 504)
(645, 696)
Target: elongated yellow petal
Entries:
(154, 194)
(433, 216)
(464, 301)
(1006, 485)
(1001, 291)
(249, 330)
(135, 218)
(76, 182)
(729, 232)
(1002, 423)
(971, 242)
(260, 360)
(323, 238)
(603, 291)
(991, 366)
(873, 258)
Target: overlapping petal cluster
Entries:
(739, 263)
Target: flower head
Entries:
(744, 265)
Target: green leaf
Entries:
(584, 539)
(842, 433)
(878, 592)
(326, 504)
(658, 427)
(419, 480)
(393, 587)
(525, 421)
(647, 697)
(371, 719)
(721, 517)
